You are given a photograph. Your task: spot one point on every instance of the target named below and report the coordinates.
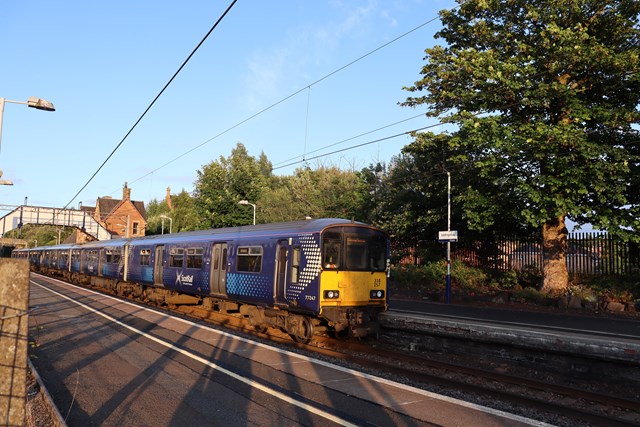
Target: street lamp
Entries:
(5, 181)
(244, 202)
(33, 102)
(170, 223)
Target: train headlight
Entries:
(377, 294)
(331, 294)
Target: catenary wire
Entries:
(152, 103)
(286, 98)
(297, 92)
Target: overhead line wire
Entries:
(275, 104)
(351, 138)
(152, 103)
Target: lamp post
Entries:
(244, 202)
(170, 223)
(33, 102)
(5, 181)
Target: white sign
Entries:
(448, 236)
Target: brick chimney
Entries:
(126, 192)
(168, 198)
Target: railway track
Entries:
(548, 399)
(535, 398)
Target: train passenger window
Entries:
(145, 256)
(112, 256)
(176, 257)
(90, 255)
(216, 258)
(75, 255)
(194, 257)
(249, 259)
(295, 265)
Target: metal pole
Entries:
(1, 114)
(38, 104)
(162, 218)
(448, 283)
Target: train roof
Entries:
(262, 230)
(259, 230)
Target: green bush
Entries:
(468, 279)
(420, 281)
(430, 279)
(532, 295)
(625, 288)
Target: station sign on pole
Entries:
(448, 236)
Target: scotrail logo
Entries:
(184, 279)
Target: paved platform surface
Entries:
(115, 363)
(600, 336)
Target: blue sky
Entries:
(102, 63)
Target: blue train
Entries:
(302, 276)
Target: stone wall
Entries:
(14, 322)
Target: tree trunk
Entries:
(554, 249)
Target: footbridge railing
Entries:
(23, 215)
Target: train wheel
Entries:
(303, 330)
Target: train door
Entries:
(100, 261)
(125, 264)
(282, 262)
(158, 268)
(218, 284)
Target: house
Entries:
(123, 218)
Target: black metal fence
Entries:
(588, 253)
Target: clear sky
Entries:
(102, 63)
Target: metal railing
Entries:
(588, 253)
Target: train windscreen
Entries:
(353, 248)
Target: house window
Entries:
(135, 227)
(176, 257)
(145, 256)
(194, 257)
(249, 259)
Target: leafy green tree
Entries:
(183, 214)
(370, 192)
(41, 235)
(154, 210)
(221, 184)
(277, 202)
(544, 94)
(324, 192)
